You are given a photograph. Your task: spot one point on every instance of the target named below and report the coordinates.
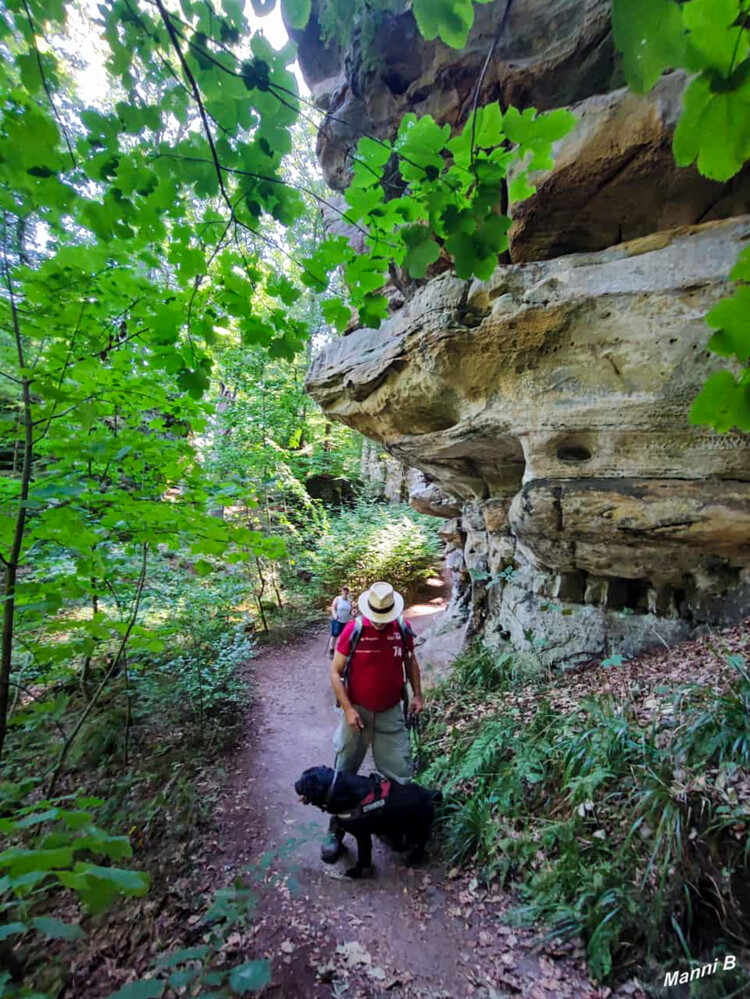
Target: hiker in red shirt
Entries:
(373, 695)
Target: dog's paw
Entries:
(360, 872)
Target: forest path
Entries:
(406, 932)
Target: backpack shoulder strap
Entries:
(406, 631)
(404, 627)
(356, 634)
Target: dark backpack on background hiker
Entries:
(405, 630)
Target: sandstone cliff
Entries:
(547, 407)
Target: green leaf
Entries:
(281, 287)
(146, 988)
(113, 847)
(450, 20)
(250, 977)
(32, 861)
(651, 37)
(741, 269)
(519, 188)
(366, 273)
(99, 886)
(375, 153)
(420, 143)
(28, 66)
(179, 979)
(11, 930)
(56, 929)
(731, 317)
(373, 310)
(714, 129)
(296, 13)
(187, 954)
(422, 250)
(712, 41)
(723, 403)
(476, 254)
(336, 313)
(37, 818)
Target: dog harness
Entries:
(370, 803)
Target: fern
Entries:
(482, 756)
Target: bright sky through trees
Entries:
(86, 46)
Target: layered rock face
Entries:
(552, 400)
(553, 52)
(547, 408)
(615, 179)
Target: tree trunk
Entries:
(13, 561)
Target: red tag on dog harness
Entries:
(375, 799)
(372, 802)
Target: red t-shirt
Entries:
(376, 672)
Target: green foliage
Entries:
(451, 197)
(51, 846)
(481, 668)
(711, 40)
(649, 34)
(145, 989)
(371, 543)
(158, 239)
(598, 818)
(202, 968)
(296, 13)
(448, 20)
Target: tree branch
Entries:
(58, 119)
(14, 557)
(107, 676)
(498, 34)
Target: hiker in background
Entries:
(341, 615)
(374, 657)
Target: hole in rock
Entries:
(396, 83)
(630, 594)
(572, 453)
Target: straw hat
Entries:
(381, 603)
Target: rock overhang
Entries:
(581, 366)
(553, 401)
(550, 404)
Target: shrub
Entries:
(370, 543)
(483, 668)
(600, 819)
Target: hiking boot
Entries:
(332, 846)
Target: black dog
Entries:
(370, 806)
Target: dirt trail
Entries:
(405, 932)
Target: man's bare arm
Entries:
(337, 669)
(415, 681)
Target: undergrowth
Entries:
(369, 543)
(626, 827)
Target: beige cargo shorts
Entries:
(386, 732)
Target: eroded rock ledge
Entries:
(552, 52)
(552, 402)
